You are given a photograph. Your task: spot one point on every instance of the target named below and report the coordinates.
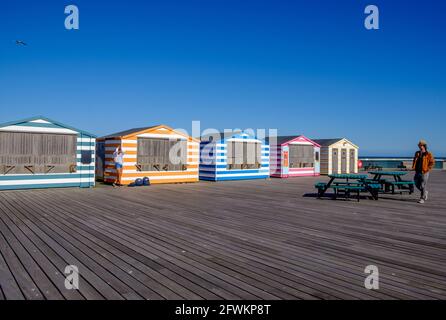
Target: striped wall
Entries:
(213, 161)
(278, 168)
(276, 161)
(84, 175)
(130, 172)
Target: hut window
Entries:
(22, 152)
(244, 155)
(301, 156)
(86, 156)
(316, 155)
(161, 154)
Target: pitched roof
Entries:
(127, 132)
(141, 130)
(329, 142)
(221, 135)
(57, 123)
(282, 139)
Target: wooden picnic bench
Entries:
(397, 184)
(342, 184)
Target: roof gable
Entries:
(43, 122)
(131, 133)
(223, 136)
(329, 142)
(283, 140)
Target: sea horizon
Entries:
(395, 157)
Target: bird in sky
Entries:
(20, 43)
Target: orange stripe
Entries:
(189, 160)
(110, 166)
(115, 145)
(126, 183)
(152, 174)
(173, 181)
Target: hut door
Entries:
(334, 161)
(100, 159)
(352, 161)
(343, 160)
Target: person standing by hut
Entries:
(118, 158)
(423, 163)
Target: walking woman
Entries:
(118, 158)
(423, 162)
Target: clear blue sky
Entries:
(299, 66)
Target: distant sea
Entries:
(393, 162)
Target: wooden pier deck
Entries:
(229, 240)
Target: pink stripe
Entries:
(303, 174)
(301, 169)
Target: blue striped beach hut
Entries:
(233, 156)
(42, 153)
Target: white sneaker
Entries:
(425, 195)
(421, 201)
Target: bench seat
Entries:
(348, 187)
(397, 183)
(320, 185)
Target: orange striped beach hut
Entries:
(160, 153)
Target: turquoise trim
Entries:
(86, 167)
(45, 176)
(46, 186)
(86, 144)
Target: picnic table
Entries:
(390, 185)
(347, 183)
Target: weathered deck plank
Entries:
(231, 240)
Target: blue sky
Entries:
(299, 66)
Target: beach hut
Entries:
(233, 156)
(160, 153)
(338, 156)
(42, 153)
(294, 156)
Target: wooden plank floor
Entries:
(228, 240)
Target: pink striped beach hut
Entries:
(294, 156)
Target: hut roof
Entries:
(127, 132)
(218, 136)
(54, 122)
(136, 131)
(284, 139)
(329, 142)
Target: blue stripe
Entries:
(85, 167)
(219, 178)
(242, 178)
(85, 144)
(242, 171)
(45, 186)
(223, 161)
(45, 176)
(211, 166)
(208, 178)
(222, 166)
